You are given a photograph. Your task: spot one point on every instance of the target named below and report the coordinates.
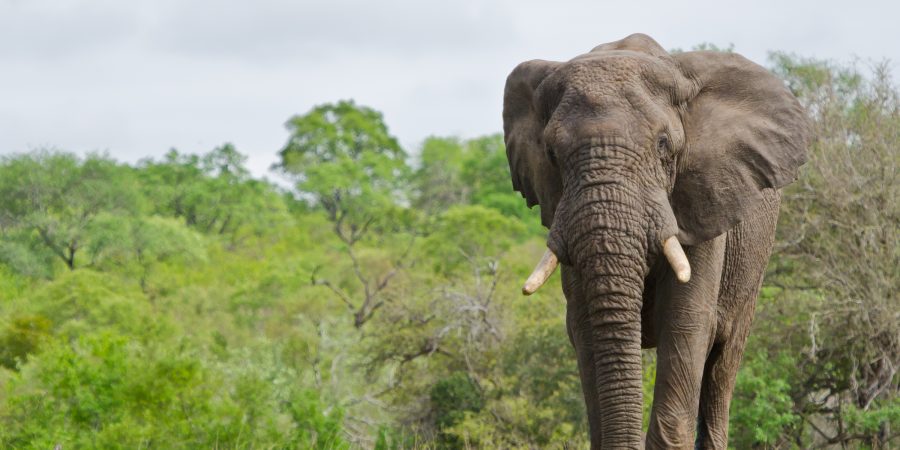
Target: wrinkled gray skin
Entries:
(623, 147)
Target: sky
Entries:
(135, 78)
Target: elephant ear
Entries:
(534, 175)
(744, 132)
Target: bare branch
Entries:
(317, 282)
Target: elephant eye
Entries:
(662, 143)
(552, 154)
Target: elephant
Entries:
(659, 179)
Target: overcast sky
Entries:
(135, 78)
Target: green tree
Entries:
(344, 160)
(763, 411)
(452, 397)
(52, 198)
(213, 193)
(22, 337)
(831, 303)
(439, 180)
(469, 172)
(137, 245)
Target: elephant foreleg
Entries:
(685, 326)
(715, 398)
(747, 250)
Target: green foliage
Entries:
(529, 380)
(22, 337)
(762, 407)
(137, 246)
(49, 200)
(95, 391)
(84, 300)
(24, 255)
(488, 233)
(104, 390)
(453, 397)
(812, 80)
(344, 159)
(873, 421)
(834, 304)
(817, 369)
(454, 172)
(648, 383)
(439, 179)
(316, 428)
(212, 193)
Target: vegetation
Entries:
(182, 303)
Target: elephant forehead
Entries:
(619, 96)
(613, 68)
(622, 112)
(574, 127)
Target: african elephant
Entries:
(632, 152)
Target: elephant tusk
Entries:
(542, 272)
(676, 257)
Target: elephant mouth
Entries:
(671, 248)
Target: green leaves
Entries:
(332, 131)
(316, 428)
(456, 172)
(54, 198)
(22, 336)
(762, 410)
(453, 397)
(344, 160)
(470, 237)
(212, 193)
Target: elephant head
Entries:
(631, 152)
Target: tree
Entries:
(139, 244)
(213, 193)
(53, 197)
(836, 270)
(344, 160)
(439, 180)
(469, 172)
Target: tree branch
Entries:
(317, 282)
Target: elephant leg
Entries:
(747, 250)
(685, 319)
(580, 333)
(715, 397)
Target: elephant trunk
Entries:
(613, 290)
(609, 248)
